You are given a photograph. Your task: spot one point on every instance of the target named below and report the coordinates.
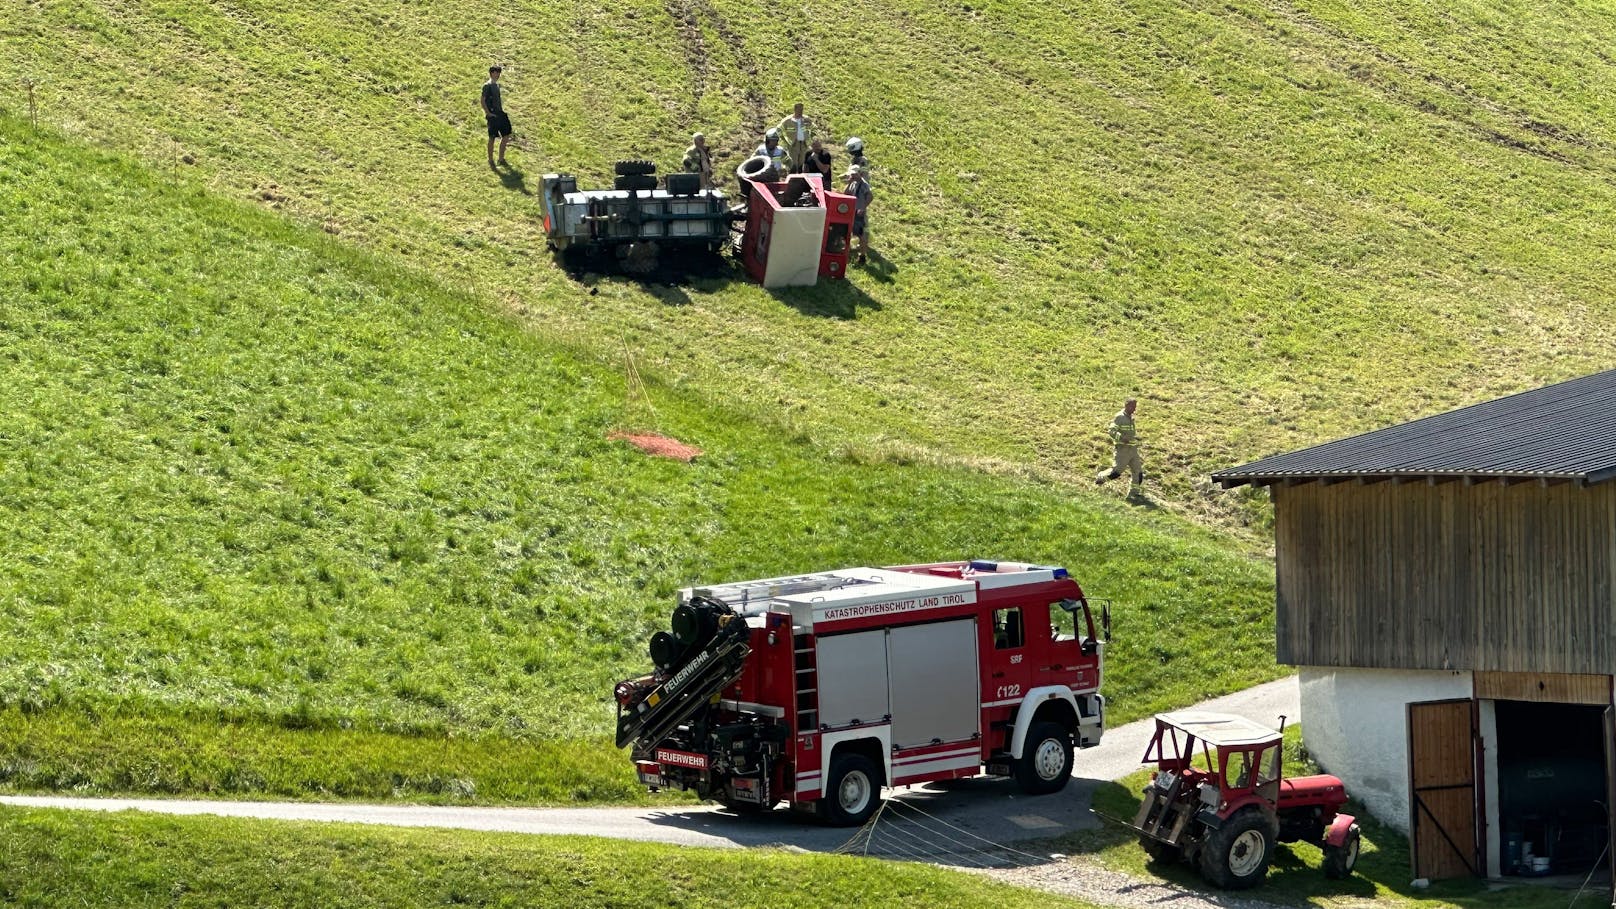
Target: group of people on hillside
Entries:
(792, 148)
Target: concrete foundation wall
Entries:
(1355, 724)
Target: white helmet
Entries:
(855, 145)
(772, 134)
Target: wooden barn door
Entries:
(1442, 784)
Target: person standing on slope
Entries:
(698, 160)
(796, 131)
(777, 155)
(1126, 439)
(859, 188)
(499, 123)
(819, 162)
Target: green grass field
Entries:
(1277, 221)
(130, 861)
(284, 518)
(304, 471)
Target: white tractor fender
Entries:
(1029, 706)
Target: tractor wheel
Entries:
(1161, 853)
(1340, 860)
(1046, 759)
(634, 168)
(852, 791)
(635, 182)
(1236, 855)
(640, 258)
(752, 167)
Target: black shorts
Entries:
(499, 125)
(859, 221)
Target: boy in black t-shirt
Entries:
(499, 123)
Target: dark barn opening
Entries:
(1552, 812)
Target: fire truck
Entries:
(820, 689)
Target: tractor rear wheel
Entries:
(1236, 855)
(1340, 860)
(852, 791)
(634, 168)
(1046, 759)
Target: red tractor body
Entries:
(1225, 805)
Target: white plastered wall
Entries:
(1355, 724)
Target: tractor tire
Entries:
(752, 167)
(1159, 852)
(635, 182)
(1340, 860)
(640, 258)
(852, 791)
(1236, 855)
(1045, 764)
(634, 168)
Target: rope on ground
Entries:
(900, 829)
(636, 386)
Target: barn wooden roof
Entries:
(1564, 432)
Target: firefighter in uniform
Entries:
(1126, 439)
(699, 160)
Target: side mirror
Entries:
(1105, 621)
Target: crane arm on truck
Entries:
(713, 656)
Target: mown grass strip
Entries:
(129, 860)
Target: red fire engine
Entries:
(818, 690)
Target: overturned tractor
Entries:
(788, 232)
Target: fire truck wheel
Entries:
(1236, 855)
(1046, 759)
(852, 792)
(634, 168)
(1340, 860)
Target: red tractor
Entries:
(1225, 812)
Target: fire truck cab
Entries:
(820, 689)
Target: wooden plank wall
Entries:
(1413, 576)
(1544, 687)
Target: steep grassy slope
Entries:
(1276, 220)
(124, 861)
(283, 518)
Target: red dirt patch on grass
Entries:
(653, 444)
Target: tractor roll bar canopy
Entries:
(1222, 730)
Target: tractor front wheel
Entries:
(1161, 853)
(1046, 759)
(1340, 860)
(1236, 855)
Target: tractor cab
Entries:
(1218, 798)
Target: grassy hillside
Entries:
(125, 861)
(1275, 220)
(286, 518)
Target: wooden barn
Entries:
(1447, 590)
